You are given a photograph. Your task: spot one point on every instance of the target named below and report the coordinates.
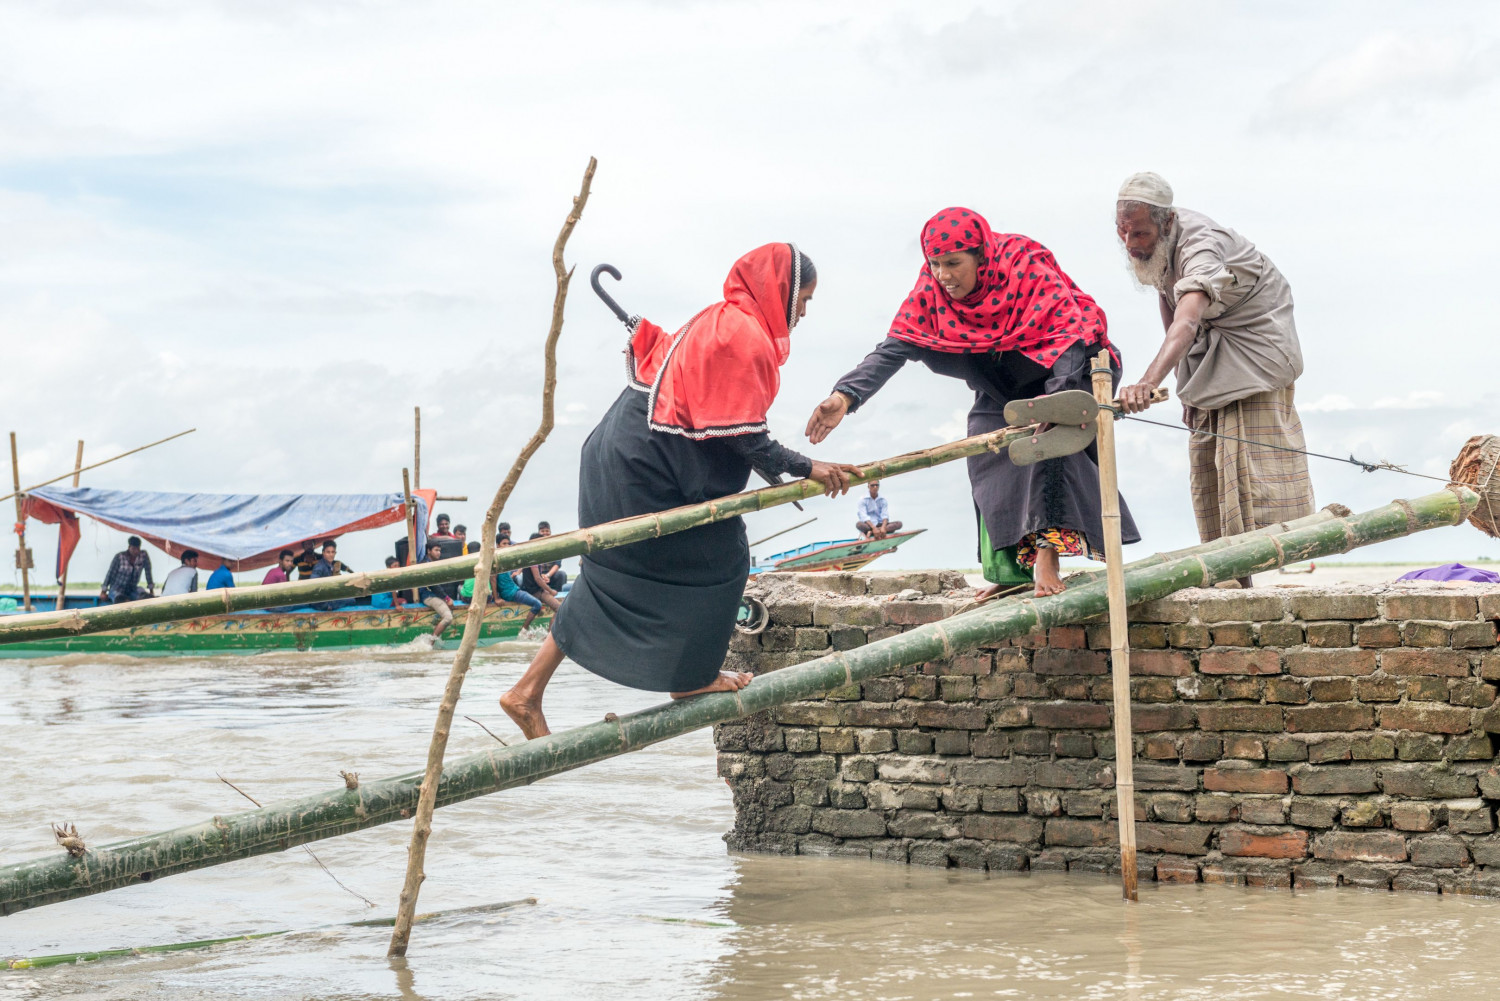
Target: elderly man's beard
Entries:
(1152, 271)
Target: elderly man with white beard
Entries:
(1231, 338)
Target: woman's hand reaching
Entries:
(826, 417)
(833, 475)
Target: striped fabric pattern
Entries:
(1239, 487)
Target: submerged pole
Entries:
(279, 826)
(74, 622)
(1119, 625)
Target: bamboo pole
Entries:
(411, 527)
(102, 462)
(74, 622)
(62, 582)
(279, 826)
(1119, 624)
(416, 455)
(406, 908)
(21, 554)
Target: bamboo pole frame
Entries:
(279, 826)
(75, 622)
(21, 554)
(411, 528)
(416, 450)
(1119, 624)
(101, 462)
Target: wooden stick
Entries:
(416, 457)
(62, 582)
(1119, 625)
(15, 472)
(231, 837)
(456, 499)
(96, 465)
(427, 799)
(411, 525)
(793, 528)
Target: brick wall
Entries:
(1283, 737)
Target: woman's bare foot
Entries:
(986, 593)
(1048, 578)
(525, 714)
(727, 681)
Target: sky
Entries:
(287, 224)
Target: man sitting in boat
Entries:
(389, 599)
(122, 582)
(443, 532)
(329, 566)
(544, 578)
(183, 580)
(306, 560)
(221, 577)
(437, 596)
(874, 515)
(504, 588)
(286, 560)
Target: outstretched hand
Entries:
(826, 416)
(833, 475)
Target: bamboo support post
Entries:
(101, 462)
(416, 452)
(279, 826)
(1119, 623)
(62, 581)
(21, 561)
(411, 525)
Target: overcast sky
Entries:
(287, 223)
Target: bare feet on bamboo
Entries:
(727, 681)
(526, 714)
(1048, 577)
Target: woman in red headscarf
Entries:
(995, 310)
(690, 427)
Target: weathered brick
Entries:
(951, 742)
(1215, 808)
(1011, 661)
(1149, 777)
(853, 769)
(1162, 663)
(1263, 780)
(836, 741)
(1087, 803)
(1489, 605)
(1160, 717)
(1468, 816)
(1410, 816)
(1242, 842)
(1245, 748)
(791, 612)
(1471, 692)
(793, 820)
(1244, 606)
(1071, 686)
(845, 795)
(1263, 809)
(1374, 747)
(848, 823)
(1159, 748)
(913, 742)
(1178, 839)
(1000, 800)
(854, 613)
(960, 799)
(1328, 663)
(1378, 634)
(1073, 774)
(876, 714)
(1073, 745)
(1308, 811)
(893, 768)
(1473, 635)
(806, 714)
(1407, 661)
(1325, 718)
(1067, 638)
(1441, 607)
(847, 637)
(1287, 691)
(846, 693)
(1240, 687)
(1202, 747)
(1316, 605)
(1043, 802)
(1427, 718)
(1426, 782)
(1362, 813)
(1070, 715)
(919, 686)
(1050, 661)
(1378, 689)
(1010, 717)
(1347, 846)
(1189, 636)
(1072, 833)
(916, 613)
(1330, 634)
(1438, 851)
(1427, 689)
(1176, 870)
(1198, 688)
(1261, 719)
(994, 686)
(799, 741)
(1331, 689)
(1147, 689)
(1425, 634)
(1469, 747)
(1174, 608)
(1313, 780)
(921, 824)
(810, 638)
(1486, 851)
(1033, 742)
(992, 744)
(1233, 634)
(1286, 749)
(1279, 634)
(1228, 661)
(1143, 636)
(979, 663)
(1325, 749)
(1172, 808)
(875, 741)
(955, 689)
(1014, 829)
(883, 689)
(994, 773)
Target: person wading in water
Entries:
(691, 426)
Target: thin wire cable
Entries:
(1368, 467)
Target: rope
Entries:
(1368, 467)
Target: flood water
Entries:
(637, 897)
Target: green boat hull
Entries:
(255, 632)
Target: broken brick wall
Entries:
(1284, 736)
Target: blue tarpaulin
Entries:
(244, 530)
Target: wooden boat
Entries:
(291, 629)
(842, 554)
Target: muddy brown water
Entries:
(637, 897)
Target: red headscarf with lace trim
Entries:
(1022, 301)
(718, 375)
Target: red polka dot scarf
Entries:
(1022, 302)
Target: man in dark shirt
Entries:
(329, 566)
(122, 582)
(544, 578)
(307, 559)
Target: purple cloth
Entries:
(1453, 571)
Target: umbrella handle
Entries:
(614, 307)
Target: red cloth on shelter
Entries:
(719, 374)
(1022, 302)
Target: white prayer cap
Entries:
(1147, 187)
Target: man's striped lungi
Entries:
(1238, 486)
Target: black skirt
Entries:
(657, 614)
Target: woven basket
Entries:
(1478, 466)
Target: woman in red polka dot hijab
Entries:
(996, 310)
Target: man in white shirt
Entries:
(874, 515)
(183, 580)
